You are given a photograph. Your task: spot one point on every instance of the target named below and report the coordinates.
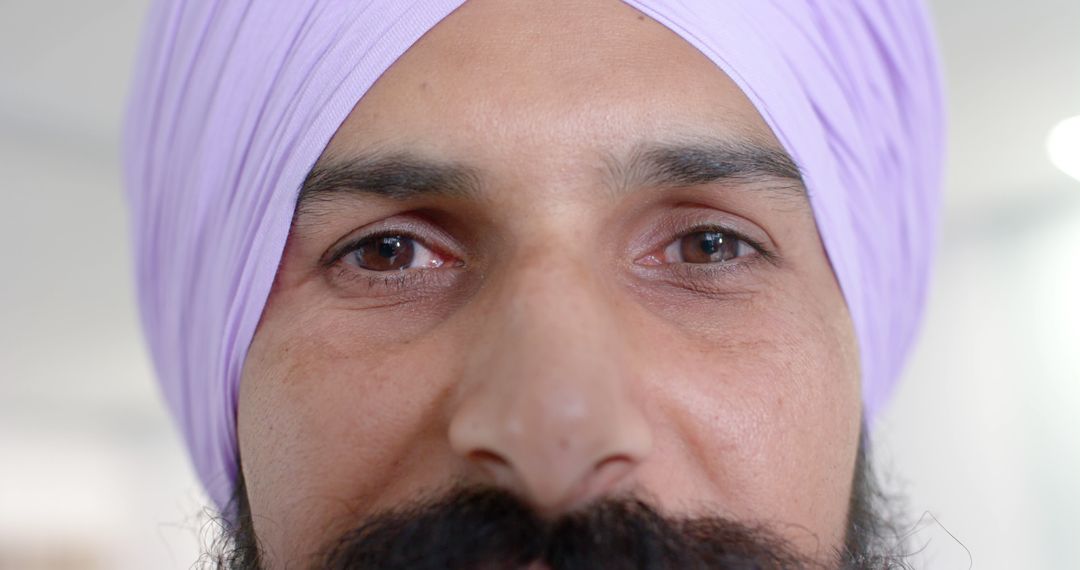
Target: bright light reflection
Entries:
(1063, 145)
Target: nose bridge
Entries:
(557, 308)
(547, 406)
(556, 356)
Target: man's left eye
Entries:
(707, 246)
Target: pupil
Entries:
(389, 247)
(711, 242)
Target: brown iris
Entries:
(708, 247)
(384, 253)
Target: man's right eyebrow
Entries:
(399, 176)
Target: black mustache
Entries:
(491, 529)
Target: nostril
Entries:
(605, 478)
(494, 466)
(613, 460)
(486, 457)
(608, 473)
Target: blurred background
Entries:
(983, 436)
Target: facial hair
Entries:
(491, 529)
(486, 528)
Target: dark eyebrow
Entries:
(399, 176)
(706, 161)
(406, 175)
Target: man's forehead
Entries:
(489, 77)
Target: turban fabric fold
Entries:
(234, 100)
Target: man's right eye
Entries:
(391, 252)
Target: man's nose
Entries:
(546, 407)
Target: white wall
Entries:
(984, 430)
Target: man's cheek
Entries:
(364, 398)
(326, 431)
(761, 355)
(750, 402)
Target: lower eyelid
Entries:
(722, 268)
(403, 282)
(701, 276)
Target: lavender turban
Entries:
(234, 100)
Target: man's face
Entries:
(553, 251)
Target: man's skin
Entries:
(548, 338)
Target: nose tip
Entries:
(556, 468)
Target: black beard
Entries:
(485, 528)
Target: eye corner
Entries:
(766, 253)
(649, 260)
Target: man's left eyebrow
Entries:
(664, 165)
